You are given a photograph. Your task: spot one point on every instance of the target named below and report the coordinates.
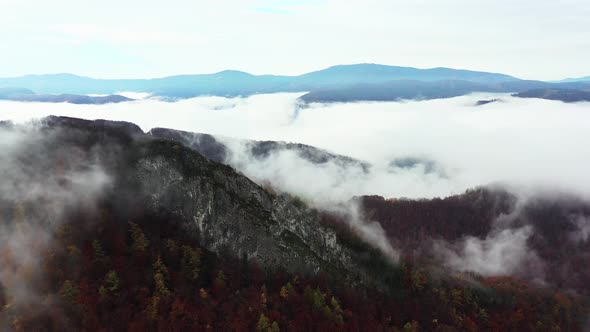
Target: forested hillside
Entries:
(107, 228)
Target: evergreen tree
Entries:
(110, 286)
(140, 241)
(160, 276)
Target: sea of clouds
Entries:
(521, 142)
(416, 149)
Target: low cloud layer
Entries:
(582, 231)
(516, 141)
(39, 187)
(503, 252)
(417, 149)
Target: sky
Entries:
(532, 39)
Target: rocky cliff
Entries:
(224, 210)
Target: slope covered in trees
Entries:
(106, 228)
(148, 275)
(557, 223)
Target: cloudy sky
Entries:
(535, 39)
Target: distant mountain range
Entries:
(20, 94)
(578, 79)
(420, 90)
(567, 95)
(341, 83)
(234, 83)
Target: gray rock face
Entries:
(204, 144)
(227, 212)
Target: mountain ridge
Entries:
(565, 95)
(575, 79)
(234, 83)
(340, 83)
(425, 90)
(145, 233)
(26, 95)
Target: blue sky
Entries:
(536, 39)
